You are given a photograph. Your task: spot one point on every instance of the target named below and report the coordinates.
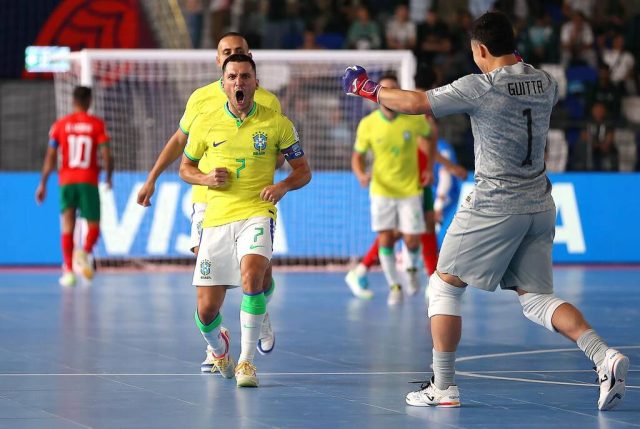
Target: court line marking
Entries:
(529, 352)
(486, 374)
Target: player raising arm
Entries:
(503, 233)
(76, 138)
(242, 140)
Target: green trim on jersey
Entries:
(186, 133)
(190, 157)
(238, 120)
(82, 196)
(384, 118)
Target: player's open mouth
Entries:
(240, 96)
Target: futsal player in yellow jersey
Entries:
(208, 97)
(395, 185)
(203, 100)
(241, 141)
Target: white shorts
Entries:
(197, 216)
(402, 214)
(223, 247)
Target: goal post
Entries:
(141, 94)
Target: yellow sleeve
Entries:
(424, 127)
(190, 113)
(363, 142)
(275, 104)
(194, 150)
(288, 133)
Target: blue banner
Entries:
(597, 219)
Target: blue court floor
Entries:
(125, 353)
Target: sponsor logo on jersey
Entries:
(259, 143)
(406, 135)
(205, 269)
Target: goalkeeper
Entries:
(503, 233)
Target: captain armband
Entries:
(293, 152)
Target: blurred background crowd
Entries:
(589, 46)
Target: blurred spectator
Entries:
(540, 37)
(595, 150)
(309, 40)
(479, 7)
(433, 37)
(220, 11)
(418, 9)
(460, 60)
(363, 32)
(194, 16)
(605, 92)
(401, 32)
(569, 7)
(576, 37)
(253, 24)
(449, 10)
(622, 65)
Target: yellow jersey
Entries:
(249, 150)
(208, 98)
(394, 144)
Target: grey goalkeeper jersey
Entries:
(510, 110)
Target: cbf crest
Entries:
(406, 135)
(205, 268)
(260, 143)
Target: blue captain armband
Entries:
(53, 143)
(293, 152)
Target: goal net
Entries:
(142, 94)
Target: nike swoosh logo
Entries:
(218, 143)
(254, 246)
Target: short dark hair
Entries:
(238, 58)
(82, 96)
(232, 34)
(494, 30)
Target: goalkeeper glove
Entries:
(356, 82)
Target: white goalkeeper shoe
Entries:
(612, 375)
(267, 339)
(430, 396)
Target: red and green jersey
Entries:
(77, 137)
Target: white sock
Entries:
(214, 339)
(211, 334)
(388, 263)
(411, 258)
(360, 270)
(593, 346)
(443, 369)
(250, 325)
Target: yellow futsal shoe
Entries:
(246, 374)
(84, 264)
